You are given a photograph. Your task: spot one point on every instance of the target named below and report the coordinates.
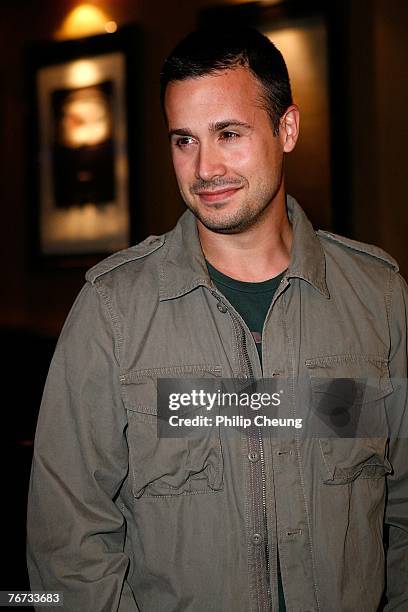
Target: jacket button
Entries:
(253, 456)
(256, 538)
(221, 307)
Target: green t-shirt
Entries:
(251, 301)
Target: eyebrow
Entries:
(221, 125)
(213, 127)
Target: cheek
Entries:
(253, 156)
(273, 152)
(241, 158)
(183, 167)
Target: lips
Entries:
(217, 196)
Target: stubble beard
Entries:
(248, 215)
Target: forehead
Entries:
(231, 91)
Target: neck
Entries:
(260, 252)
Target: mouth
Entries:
(217, 196)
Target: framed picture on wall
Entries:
(82, 194)
(312, 37)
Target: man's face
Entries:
(228, 163)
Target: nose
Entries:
(210, 162)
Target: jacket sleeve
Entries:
(396, 516)
(75, 531)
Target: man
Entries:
(242, 287)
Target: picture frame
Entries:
(84, 110)
(319, 170)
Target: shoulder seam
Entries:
(389, 296)
(139, 251)
(114, 320)
(361, 247)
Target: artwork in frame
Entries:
(82, 195)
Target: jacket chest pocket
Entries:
(348, 399)
(164, 466)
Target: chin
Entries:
(226, 225)
(230, 223)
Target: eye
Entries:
(183, 141)
(228, 135)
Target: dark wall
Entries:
(379, 149)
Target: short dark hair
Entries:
(211, 50)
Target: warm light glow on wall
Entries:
(111, 26)
(85, 20)
(82, 73)
(305, 58)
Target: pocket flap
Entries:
(139, 387)
(356, 379)
(346, 460)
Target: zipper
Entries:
(247, 367)
(262, 463)
(263, 477)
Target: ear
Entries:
(289, 128)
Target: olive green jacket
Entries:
(119, 519)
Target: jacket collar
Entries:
(183, 266)
(307, 258)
